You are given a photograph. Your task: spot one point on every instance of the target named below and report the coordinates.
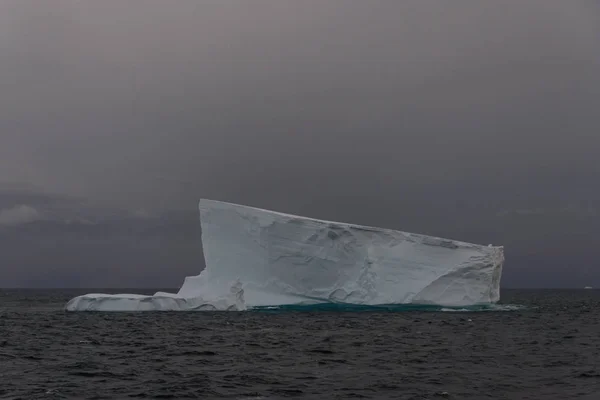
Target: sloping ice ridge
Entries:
(256, 257)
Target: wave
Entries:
(337, 307)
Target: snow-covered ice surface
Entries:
(281, 259)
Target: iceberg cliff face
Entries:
(282, 259)
(288, 259)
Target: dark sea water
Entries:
(548, 350)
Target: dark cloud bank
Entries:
(475, 121)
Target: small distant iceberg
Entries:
(261, 258)
(588, 287)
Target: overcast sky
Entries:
(474, 119)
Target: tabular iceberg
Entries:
(256, 257)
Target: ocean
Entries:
(538, 344)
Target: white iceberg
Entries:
(282, 259)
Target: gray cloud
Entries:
(74, 244)
(222, 95)
(18, 215)
(416, 115)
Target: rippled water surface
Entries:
(548, 350)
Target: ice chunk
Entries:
(161, 301)
(282, 259)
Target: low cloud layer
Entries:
(78, 245)
(19, 215)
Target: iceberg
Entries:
(256, 257)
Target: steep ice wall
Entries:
(288, 259)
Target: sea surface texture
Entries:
(541, 344)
